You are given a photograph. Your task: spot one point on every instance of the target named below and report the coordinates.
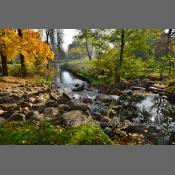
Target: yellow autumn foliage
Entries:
(9, 41)
(29, 45)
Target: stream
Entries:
(147, 110)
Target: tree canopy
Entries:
(29, 44)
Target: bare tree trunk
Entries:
(88, 52)
(23, 66)
(170, 68)
(169, 72)
(47, 41)
(122, 44)
(52, 39)
(47, 35)
(22, 58)
(4, 65)
(47, 64)
(61, 53)
(161, 70)
(168, 45)
(161, 73)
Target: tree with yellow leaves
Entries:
(25, 43)
(8, 47)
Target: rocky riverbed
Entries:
(137, 111)
(130, 118)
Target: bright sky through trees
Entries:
(68, 37)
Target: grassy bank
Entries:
(80, 68)
(86, 70)
(35, 75)
(83, 69)
(40, 74)
(31, 133)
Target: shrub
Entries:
(15, 70)
(103, 69)
(132, 67)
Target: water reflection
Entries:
(68, 80)
(150, 111)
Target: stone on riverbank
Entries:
(34, 115)
(2, 120)
(74, 118)
(63, 108)
(50, 112)
(16, 117)
(39, 106)
(9, 106)
(104, 98)
(75, 105)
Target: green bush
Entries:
(45, 78)
(31, 133)
(104, 69)
(132, 67)
(15, 70)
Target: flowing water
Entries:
(68, 82)
(141, 108)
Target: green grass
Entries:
(40, 74)
(83, 68)
(30, 133)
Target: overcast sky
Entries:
(68, 37)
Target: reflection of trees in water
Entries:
(146, 115)
(130, 102)
(158, 115)
(162, 110)
(160, 105)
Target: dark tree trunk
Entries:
(22, 59)
(161, 72)
(88, 52)
(4, 65)
(168, 50)
(170, 68)
(23, 66)
(169, 72)
(52, 39)
(47, 64)
(47, 41)
(61, 53)
(122, 44)
(47, 37)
